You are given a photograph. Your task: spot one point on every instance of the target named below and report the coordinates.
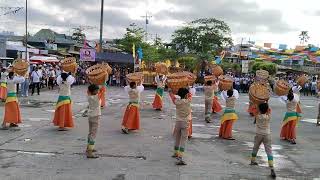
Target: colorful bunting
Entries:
(268, 45)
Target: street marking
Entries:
(202, 136)
(38, 119)
(197, 105)
(309, 106)
(198, 125)
(49, 110)
(310, 120)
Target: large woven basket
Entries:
(225, 83)
(258, 93)
(209, 78)
(176, 84)
(262, 74)
(107, 68)
(161, 68)
(20, 67)
(281, 88)
(136, 77)
(97, 74)
(69, 64)
(216, 70)
(302, 80)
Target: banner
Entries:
(268, 45)
(87, 54)
(245, 66)
(300, 48)
(283, 46)
(50, 46)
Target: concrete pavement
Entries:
(38, 151)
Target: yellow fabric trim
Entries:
(3, 85)
(63, 103)
(228, 116)
(11, 99)
(294, 118)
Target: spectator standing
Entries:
(25, 85)
(52, 77)
(36, 76)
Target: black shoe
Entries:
(125, 130)
(253, 163)
(181, 162)
(273, 174)
(293, 141)
(13, 125)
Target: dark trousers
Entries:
(36, 85)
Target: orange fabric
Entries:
(216, 107)
(12, 113)
(102, 95)
(157, 102)
(252, 109)
(131, 118)
(225, 130)
(3, 93)
(299, 108)
(63, 116)
(190, 128)
(288, 131)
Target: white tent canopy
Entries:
(44, 59)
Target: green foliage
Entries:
(202, 36)
(188, 61)
(270, 67)
(78, 35)
(134, 35)
(230, 66)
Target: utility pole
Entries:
(26, 54)
(147, 22)
(101, 23)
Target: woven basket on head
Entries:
(69, 64)
(161, 68)
(107, 68)
(176, 84)
(281, 88)
(262, 74)
(258, 93)
(226, 83)
(209, 78)
(20, 67)
(97, 74)
(302, 80)
(136, 77)
(216, 70)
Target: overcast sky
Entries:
(275, 21)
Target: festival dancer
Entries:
(229, 116)
(12, 114)
(263, 135)
(94, 113)
(158, 101)
(3, 85)
(288, 131)
(131, 118)
(216, 107)
(192, 92)
(208, 96)
(183, 114)
(63, 113)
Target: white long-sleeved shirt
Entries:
(160, 83)
(12, 83)
(291, 105)
(3, 77)
(134, 94)
(65, 86)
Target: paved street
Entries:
(39, 151)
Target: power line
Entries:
(147, 22)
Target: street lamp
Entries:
(101, 23)
(26, 53)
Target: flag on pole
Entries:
(134, 51)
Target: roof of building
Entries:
(115, 57)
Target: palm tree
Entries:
(304, 37)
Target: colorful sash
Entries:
(134, 103)
(63, 100)
(291, 116)
(11, 97)
(3, 84)
(229, 114)
(159, 92)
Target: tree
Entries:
(203, 36)
(78, 35)
(270, 67)
(133, 35)
(304, 37)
